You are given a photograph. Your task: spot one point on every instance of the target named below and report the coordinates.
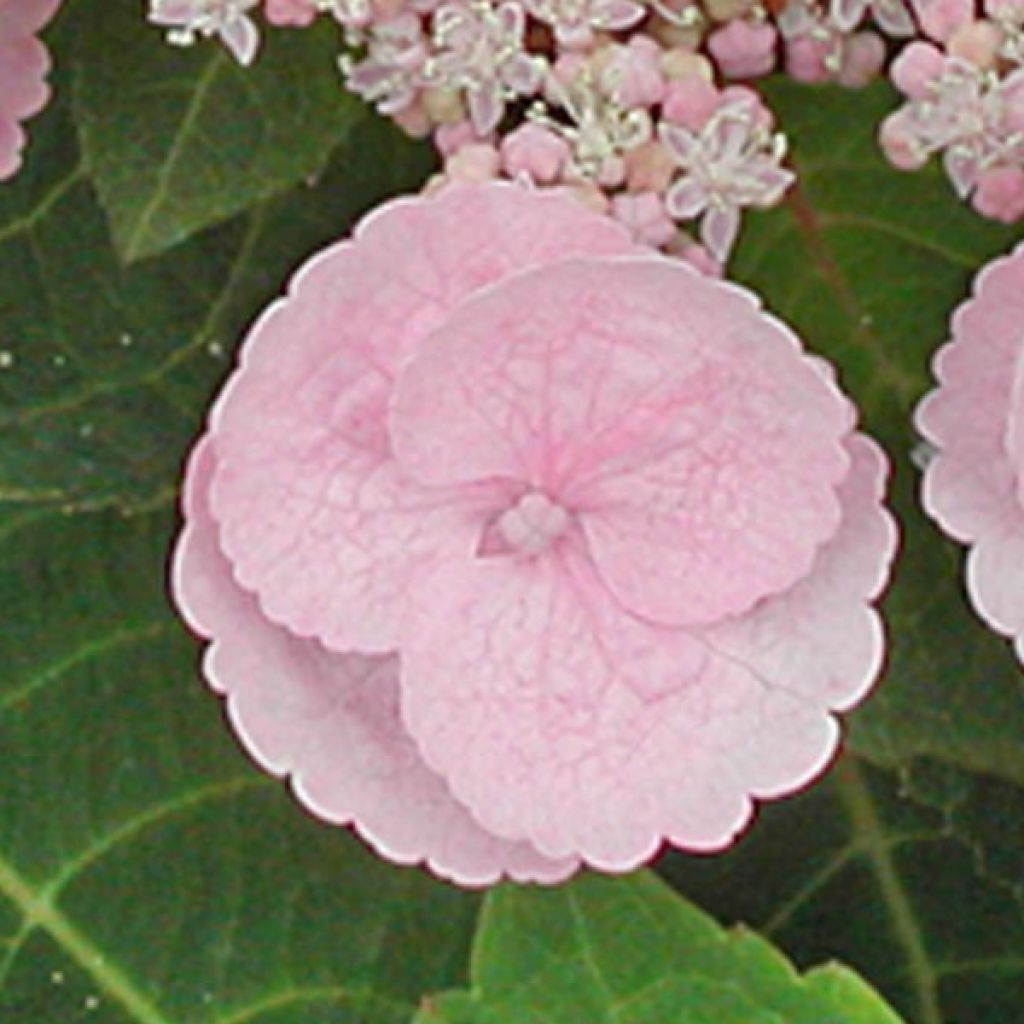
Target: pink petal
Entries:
(242, 39)
(558, 718)
(893, 17)
(315, 516)
(698, 447)
(846, 14)
(330, 721)
(822, 639)
(24, 63)
(686, 198)
(973, 485)
(718, 230)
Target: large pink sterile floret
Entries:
(24, 63)
(974, 483)
(521, 546)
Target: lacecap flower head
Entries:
(974, 423)
(520, 546)
(24, 63)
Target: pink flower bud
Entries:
(977, 42)
(863, 57)
(805, 59)
(644, 214)
(290, 12)
(899, 143)
(534, 150)
(690, 102)
(649, 168)
(917, 66)
(744, 49)
(450, 138)
(1000, 194)
(478, 162)
(939, 19)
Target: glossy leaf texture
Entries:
(630, 951)
(180, 138)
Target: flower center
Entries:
(533, 523)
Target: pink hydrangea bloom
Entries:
(974, 483)
(520, 546)
(24, 64)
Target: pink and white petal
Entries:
(719, 228)
(847, 14)
(25, 17)
(330, 722)
(894, 17)
(559, 719)
(685, 428)
(995, 576)
(24, 64)
(242, 38)
(822, 640)
(617, 15)
(971, 485)
(686, 198)
(315, 516)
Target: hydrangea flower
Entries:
(24, 63)
(974, 425)
(480, 49)
(973, 116)
(732, 161)
(229, 20)
(575, 21)
(391, 74)
(519, 545)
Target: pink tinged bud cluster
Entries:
(520, 547)
(968, 106)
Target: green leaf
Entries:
(148, 873)
(106, 371)
(179, 139)
(630, 951)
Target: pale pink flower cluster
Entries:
(624, 101)
(629, 103)
(24, 63)
(965, 100)
(520, 546)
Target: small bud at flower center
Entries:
(533, 523)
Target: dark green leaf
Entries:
(630, 951)
(179, 139)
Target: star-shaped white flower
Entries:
(229, 20)
(734, 161)
(481, 51)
